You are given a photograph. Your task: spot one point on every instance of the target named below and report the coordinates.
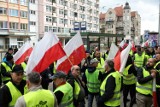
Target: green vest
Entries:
(8, 69)
(23, 64)
(39, 98)
(93, 84)
(157, 86)
(15, 93)
(77, 90)
(146, 88)
(54, 68)
(67, 90)
(100, 65)
(139, 60)
(128, 79)
(115, 100)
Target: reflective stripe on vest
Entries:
(93, 84)
(23, 64)
(67, 90)
(100, 65)
(8, 69)
(128, 79)
(15, 93)
(39, 98)
(146, 88)
(115, 100)
(139, 60)
(76, 89)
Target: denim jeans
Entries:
(90, 99)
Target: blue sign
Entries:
(80, 25)
(76, 26)
(83, 25)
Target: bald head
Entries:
(151, 62)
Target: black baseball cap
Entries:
(17, 69)
(59, 74)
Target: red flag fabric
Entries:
(75, 52)
(22, 53)
(45, 52)
(133, 47)
(121, 58)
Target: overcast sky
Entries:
(148, 10)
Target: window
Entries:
(32, 1)
(48, 8)
(32, 12)
(48, 19)
(54, 1)
(3, 25)
(13, 25)
(32, 23)
(23, 26)
(13, 12)
(61, 21)
(3, 10)
(61, 2)
(46, 28)
(54, 29)
(13, 1)
(23, 2)
(61, 12)
(24, 14)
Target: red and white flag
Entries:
(122, 44)
(75, 52)
(113, 51)
(121, 58)
(22, 53)
(133, 47)
(45, 52)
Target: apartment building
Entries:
(14, 29)
(121, 20)
(59, 16)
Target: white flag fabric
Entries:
(122, 44)
(124, 56)
(22, 53)
(45, 52)
(113, 51)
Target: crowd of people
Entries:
(95, 77)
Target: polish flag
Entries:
(75, 52)
(122, 44)
(121, 58)
(45, 52)
(145, 44)
(22, 53)
(113, 51)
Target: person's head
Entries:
(139, 50)
(75, 70)
(59, 78)
(94, 62)
(33, 79)
(10, 50)
(157, 57)
(87, 53)
(109, 64)
(151, 62)
(97, 54)
(9, 58)
(17, 74)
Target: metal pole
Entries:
(159, 26)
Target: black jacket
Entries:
(5, 95)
